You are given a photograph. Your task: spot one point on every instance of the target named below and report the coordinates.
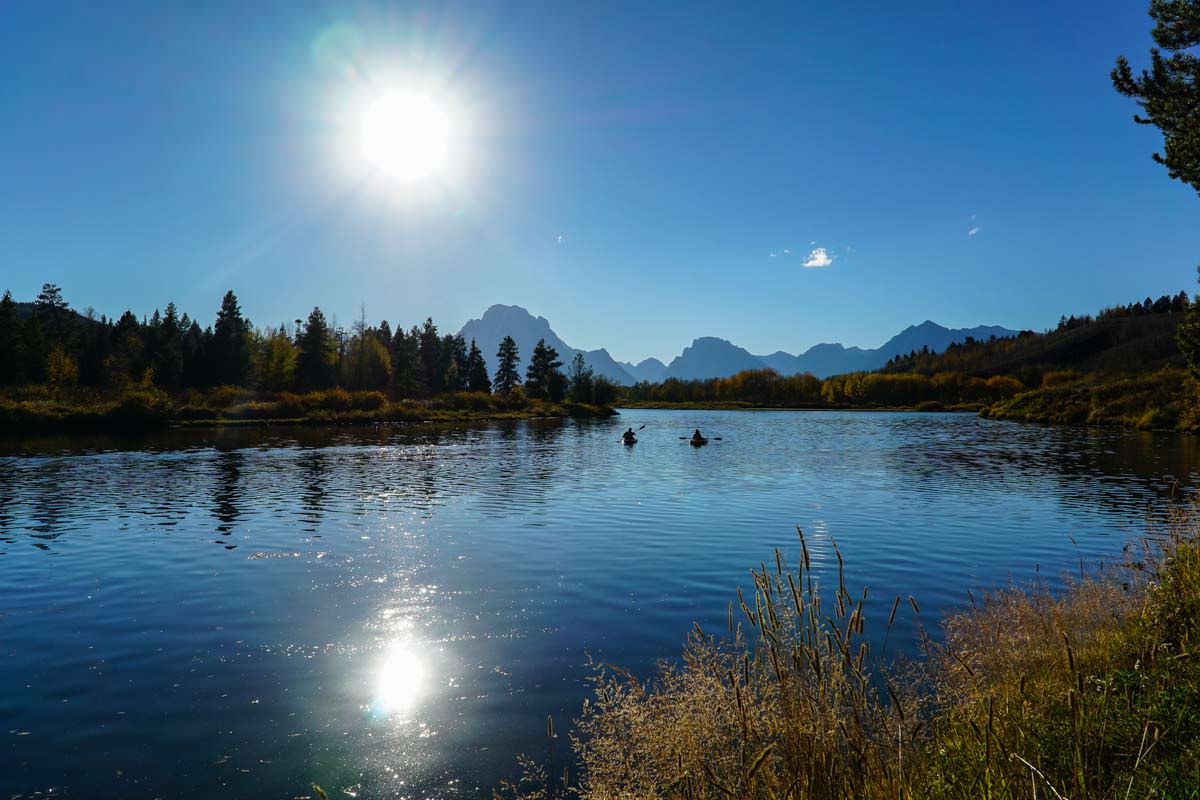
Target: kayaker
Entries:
(629, 437)
(696, 437)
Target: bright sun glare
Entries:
(400, 680)
(406, 136)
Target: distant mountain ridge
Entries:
(525, 329)
(648, 369)
(710, 357)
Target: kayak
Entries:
(698, 442)
(631, 440)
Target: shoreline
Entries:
(139, 412)
(968, 408)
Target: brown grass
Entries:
(1089, 692)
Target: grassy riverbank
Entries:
(40, 409)
(1091, 692)
(1167, 399)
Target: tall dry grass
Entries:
(1092, 691)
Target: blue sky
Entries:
(626, 170)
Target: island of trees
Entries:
(60, 368)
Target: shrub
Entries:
(195, 412)
(143, 407)
(1059, 376)
(372, 400)
(336, 399)
(225, 396)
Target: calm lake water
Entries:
(393, 612)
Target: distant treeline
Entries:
(765, 387)
(1138, 338)
(47, 343)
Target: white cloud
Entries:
(561, 238)
(787, 252)
(974, 231)
(819, 257)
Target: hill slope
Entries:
(1109, 344)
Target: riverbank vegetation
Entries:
(1167, 399)
(141, 408)
(1088, 692)
(61, 369)
(766, 388)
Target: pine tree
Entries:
(11, 368)
(454, 355)
(315, 363)
(543, 378)
(477, 374)
(54, 316)
(556, 386)
(603, 391)
(1187, 334)
(168, 350)
(195, 355)
(94, 350)
(127, 354)
(231, 345)
(50, 300)
(33, 350)
(430, 350)
(452, 381)
(1169, 92)
(406, 364)
(580, 380)
(507, 376)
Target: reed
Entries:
(1092, 691)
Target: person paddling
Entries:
(629, 437)
(696, 437)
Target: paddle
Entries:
(709, 438)
(623, 435)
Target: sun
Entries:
(406, 136)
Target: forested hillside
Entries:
(1122, 366)
(1138, 337)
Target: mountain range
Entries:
(710, 357)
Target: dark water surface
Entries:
(392, 612)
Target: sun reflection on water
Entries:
(400, 681)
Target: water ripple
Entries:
(209, 613)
